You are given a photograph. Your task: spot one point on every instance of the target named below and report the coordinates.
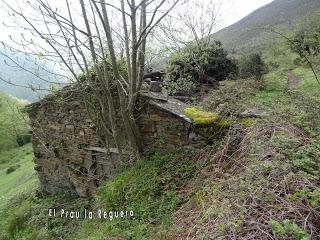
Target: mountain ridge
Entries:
(250, 32)
(25, 77)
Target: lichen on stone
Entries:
(200, 117)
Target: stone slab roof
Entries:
(157, 99)
(168, 104)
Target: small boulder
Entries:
(155, 86)
(254, 113)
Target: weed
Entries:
(288, 229)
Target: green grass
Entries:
(15, 187)
(17, 176)
(308, 85)
(152, 188)
(22, 180)
(23, 214)
(12, 121)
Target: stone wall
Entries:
(68, 153)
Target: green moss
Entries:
(225, 123)
(247, 122)
(200, 117)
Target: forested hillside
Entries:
(250, 33)
(26, 77)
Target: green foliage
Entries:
(279, 55)
(22, 179)
(306, 43)
(18, 219)
(279, 154)
(26, 217)
(288, 229)
(14, 211)
(13, 122)
(313, 197)
(110, 75)
(196, 64)
(252, 66)
(307, 158)
(23, 139)
(182, 86)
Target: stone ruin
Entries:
(69, 155)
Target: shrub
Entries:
(23, 139)
(93, 75)
(17, 220)
(306, 43)
(182, 86)
(197, 64)
(252, 66)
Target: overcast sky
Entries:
(231, 11)
(234, 10)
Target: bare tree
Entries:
(195, 22)
(90, 36)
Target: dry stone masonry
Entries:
(69, 156)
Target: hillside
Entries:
(259, 180)
(23, 79)
(17, 175)
(248, 33)
(13, 122)
(257, 175)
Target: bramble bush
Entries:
(196, 64)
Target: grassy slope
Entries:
(11, 121)
(153, 188)
(267, 186)
(261, 180)
(21, 180)
(259, 186)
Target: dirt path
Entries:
(293, 80)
